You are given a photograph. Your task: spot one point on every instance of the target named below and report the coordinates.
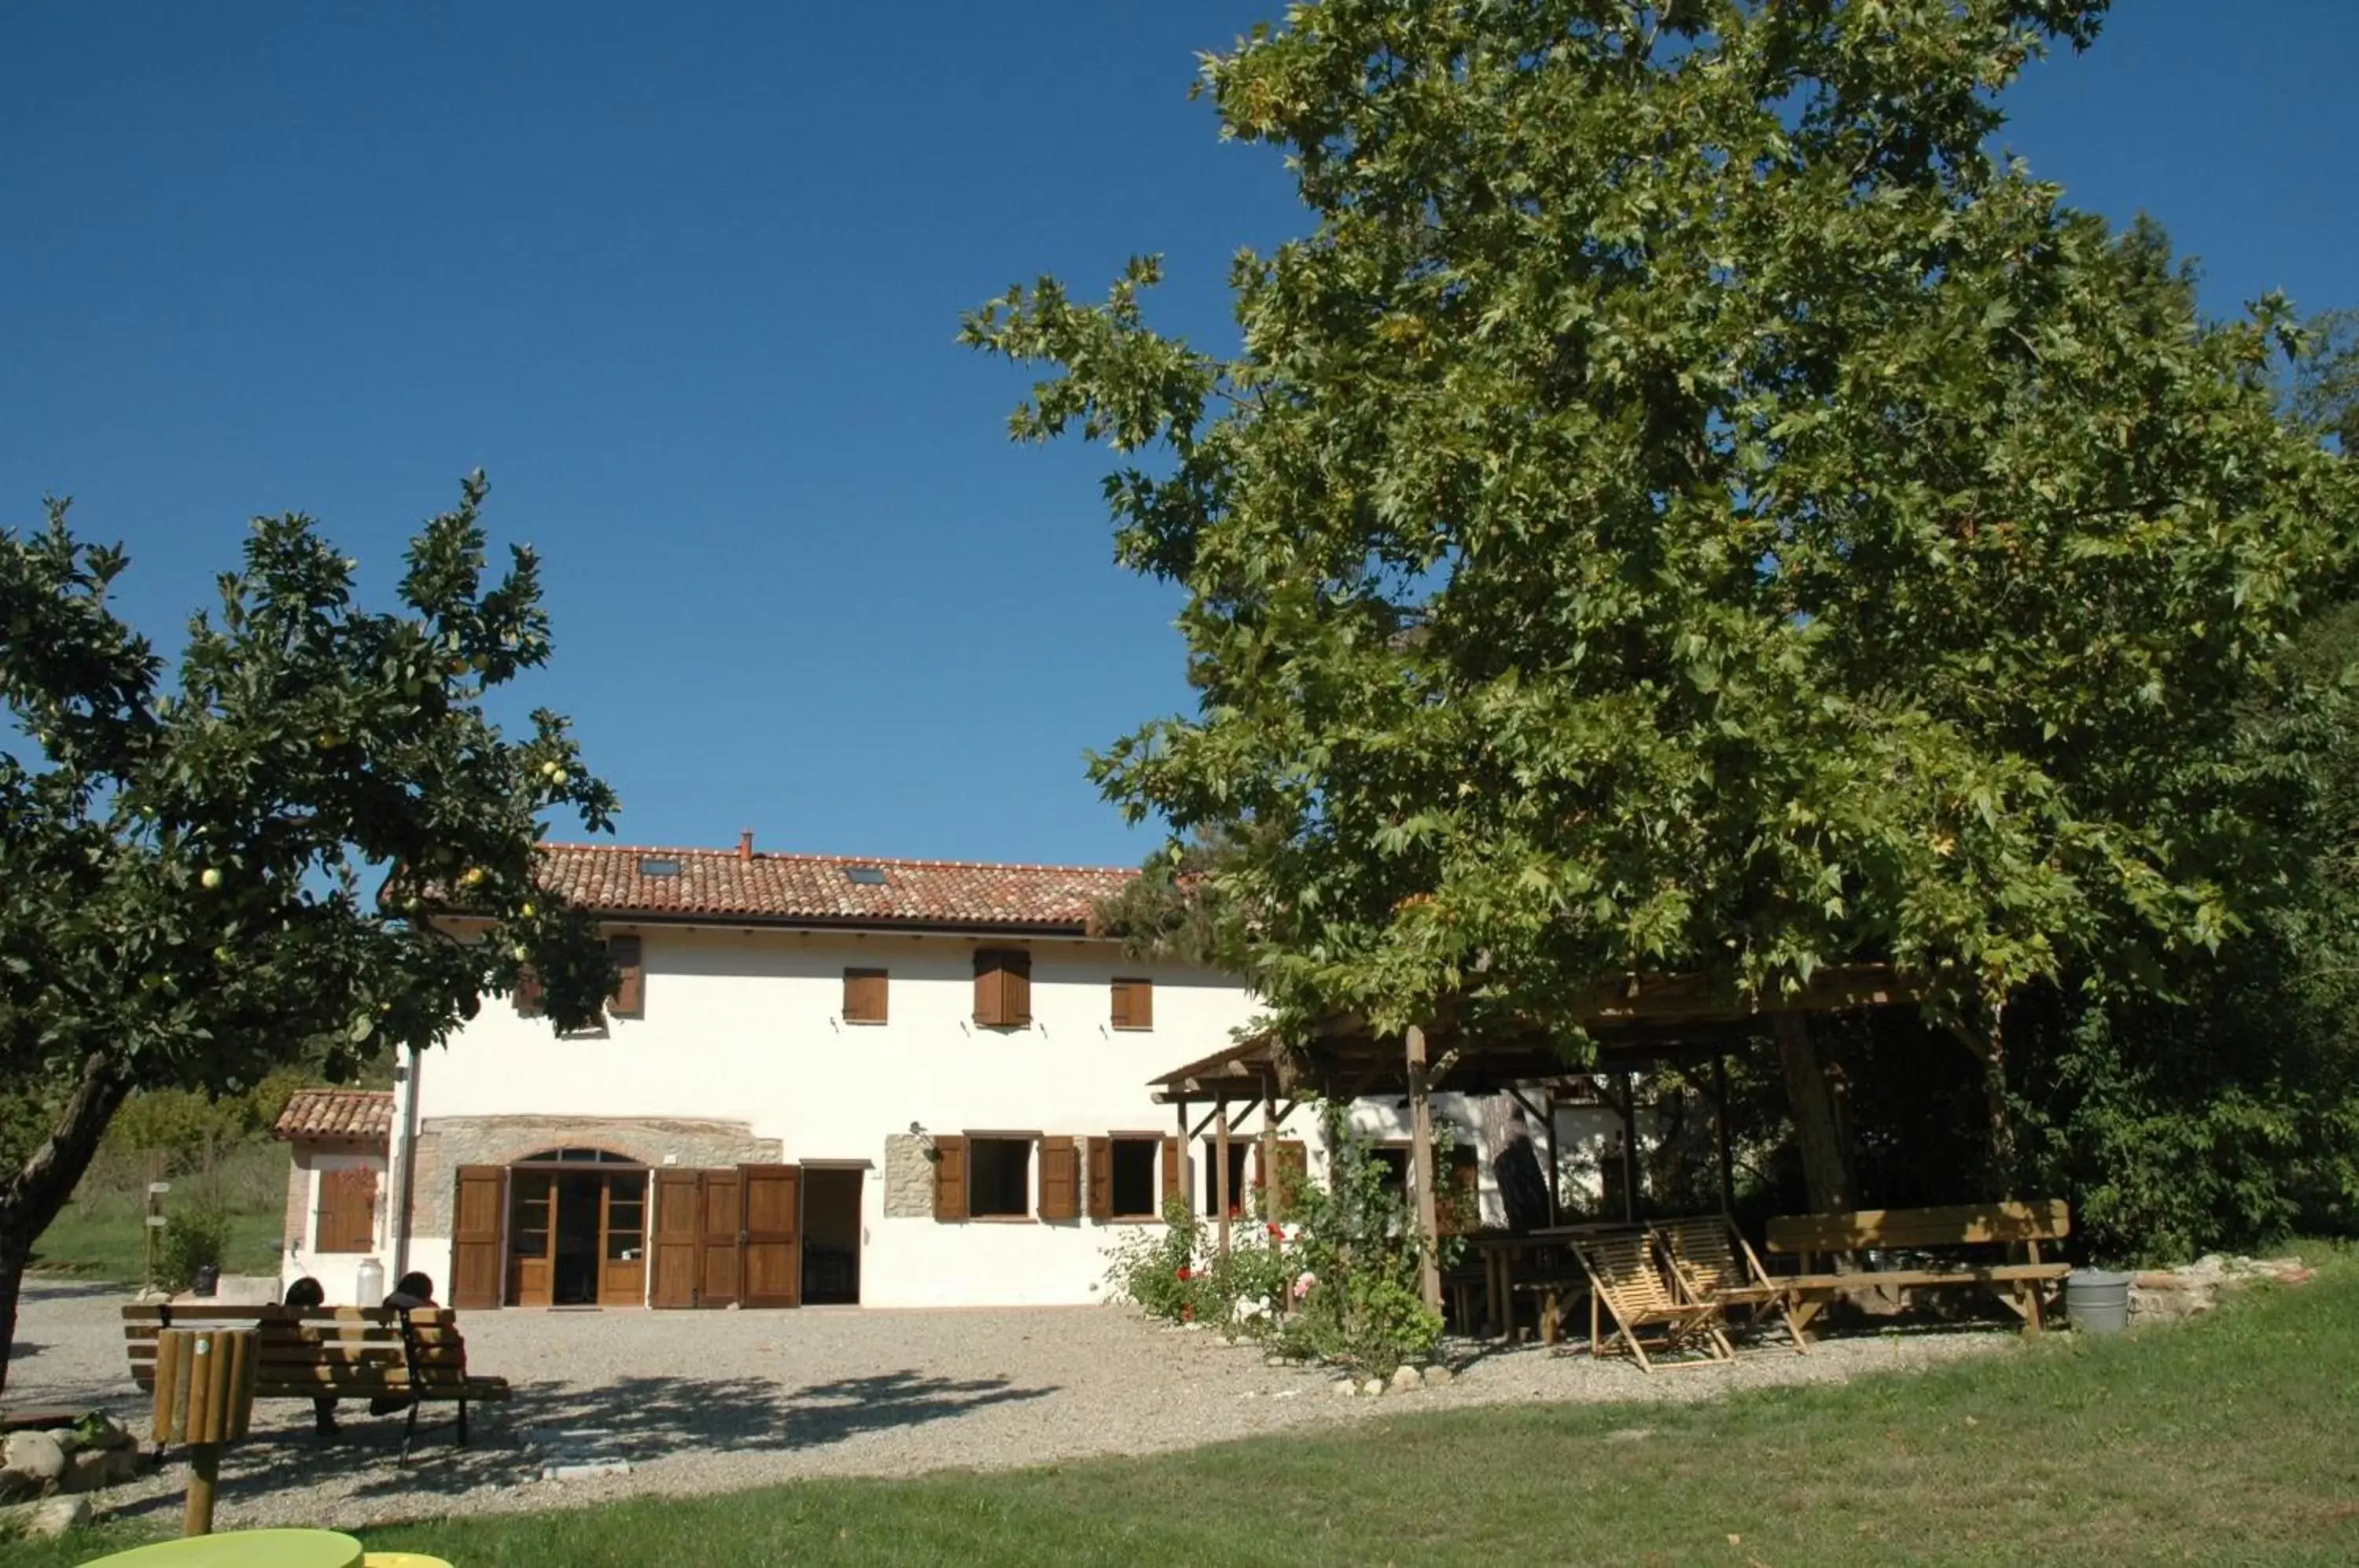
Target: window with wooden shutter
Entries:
(1101, 1167)
(1060, 1180)
(864, 996)
(629, 1000)
(1175, 1170)
(1003, 988)
(949, 1178)
(347, 1221)
(1133, 1004)
(1131, 1188)
(527, 995)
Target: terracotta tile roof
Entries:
(815, 889)
(337, 1113)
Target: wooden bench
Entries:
(2019, 1227)
(310, 1353)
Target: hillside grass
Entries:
(2230, 1440)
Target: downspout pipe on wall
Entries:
(404, 1161)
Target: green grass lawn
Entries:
(2232, 1439)
(106, 1246)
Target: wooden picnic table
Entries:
(1504, 1256)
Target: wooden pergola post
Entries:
(1221, 1171)
(1420, 1135)
(1269, 1172)
(1630, 1207)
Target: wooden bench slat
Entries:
(1961, 1225)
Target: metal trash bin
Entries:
(2097, 1300)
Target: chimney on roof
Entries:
(746, 844)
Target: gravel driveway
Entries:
(713, 1401)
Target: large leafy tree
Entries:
(200, 885)
(1686, 504)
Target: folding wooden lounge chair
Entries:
(1712, 1272)
(1624, 1280)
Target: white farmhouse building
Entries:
(889, 1083)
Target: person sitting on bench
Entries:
(304, 1295)
(411, 1292)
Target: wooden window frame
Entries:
(1131, 1004)
(351, 1241)
(629, 998)
(1003, 988)
(1154, 1216)
(1030, 1212)
(884, 987)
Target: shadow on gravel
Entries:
(636, 1420)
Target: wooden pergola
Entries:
(1635, 1020)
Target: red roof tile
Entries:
(337, 1113)
(617, 879)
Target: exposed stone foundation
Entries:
(908, 1177)
(447, 1143)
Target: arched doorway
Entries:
(577, 1230)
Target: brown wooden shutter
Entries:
(347, 1220)
(629, 1000)
(477, 1211)
(865, 995)
(1133, 1004)
(1101, 1178)
(1175, 1170)
(773, 1247)
(720, 1237)
(674, 1240)
(1003, 988)
(1060, 1180)
(949, 1178)
(527, 995)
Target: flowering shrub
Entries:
(1337, 1282)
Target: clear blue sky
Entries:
(685, 280)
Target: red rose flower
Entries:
(1186, 1274)
(1276, 1229)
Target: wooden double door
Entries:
(731, 1237)
(577, 1238)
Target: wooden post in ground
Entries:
(1269, 1172)
(1555, 1170)
(1220, 1195)
(1826, 1169)
(1421, 1134)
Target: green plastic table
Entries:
(243, 1549)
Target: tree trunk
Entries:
(32, 1197)
(1826, 1162)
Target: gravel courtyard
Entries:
(713, 1401)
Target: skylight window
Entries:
(659, 865)
(866, 876)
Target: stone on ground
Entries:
(1373, 1386)
(45, 1520)
(1406, 1378)
(1439, 1377)
(88, 1470)
(39, 1455)
(1344, 1387)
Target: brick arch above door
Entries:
(446, 1143)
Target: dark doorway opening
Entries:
(831, 1237)
(573, 1278)
(1238, 1147)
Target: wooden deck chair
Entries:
(1624, 1280)
(1715, 1265)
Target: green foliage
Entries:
(1156, 1270)
(1353, 1292)
(195, 1237)
(1684, 505)
(2325, 390)
(202, 885)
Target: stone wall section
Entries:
(908, 1176)
(447, 1143)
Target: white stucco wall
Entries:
(745, 1026)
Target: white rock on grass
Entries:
(1344, 1387)
(35, 1453)
(1373, 1386)
(47, 1519)
(1406, 1378)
